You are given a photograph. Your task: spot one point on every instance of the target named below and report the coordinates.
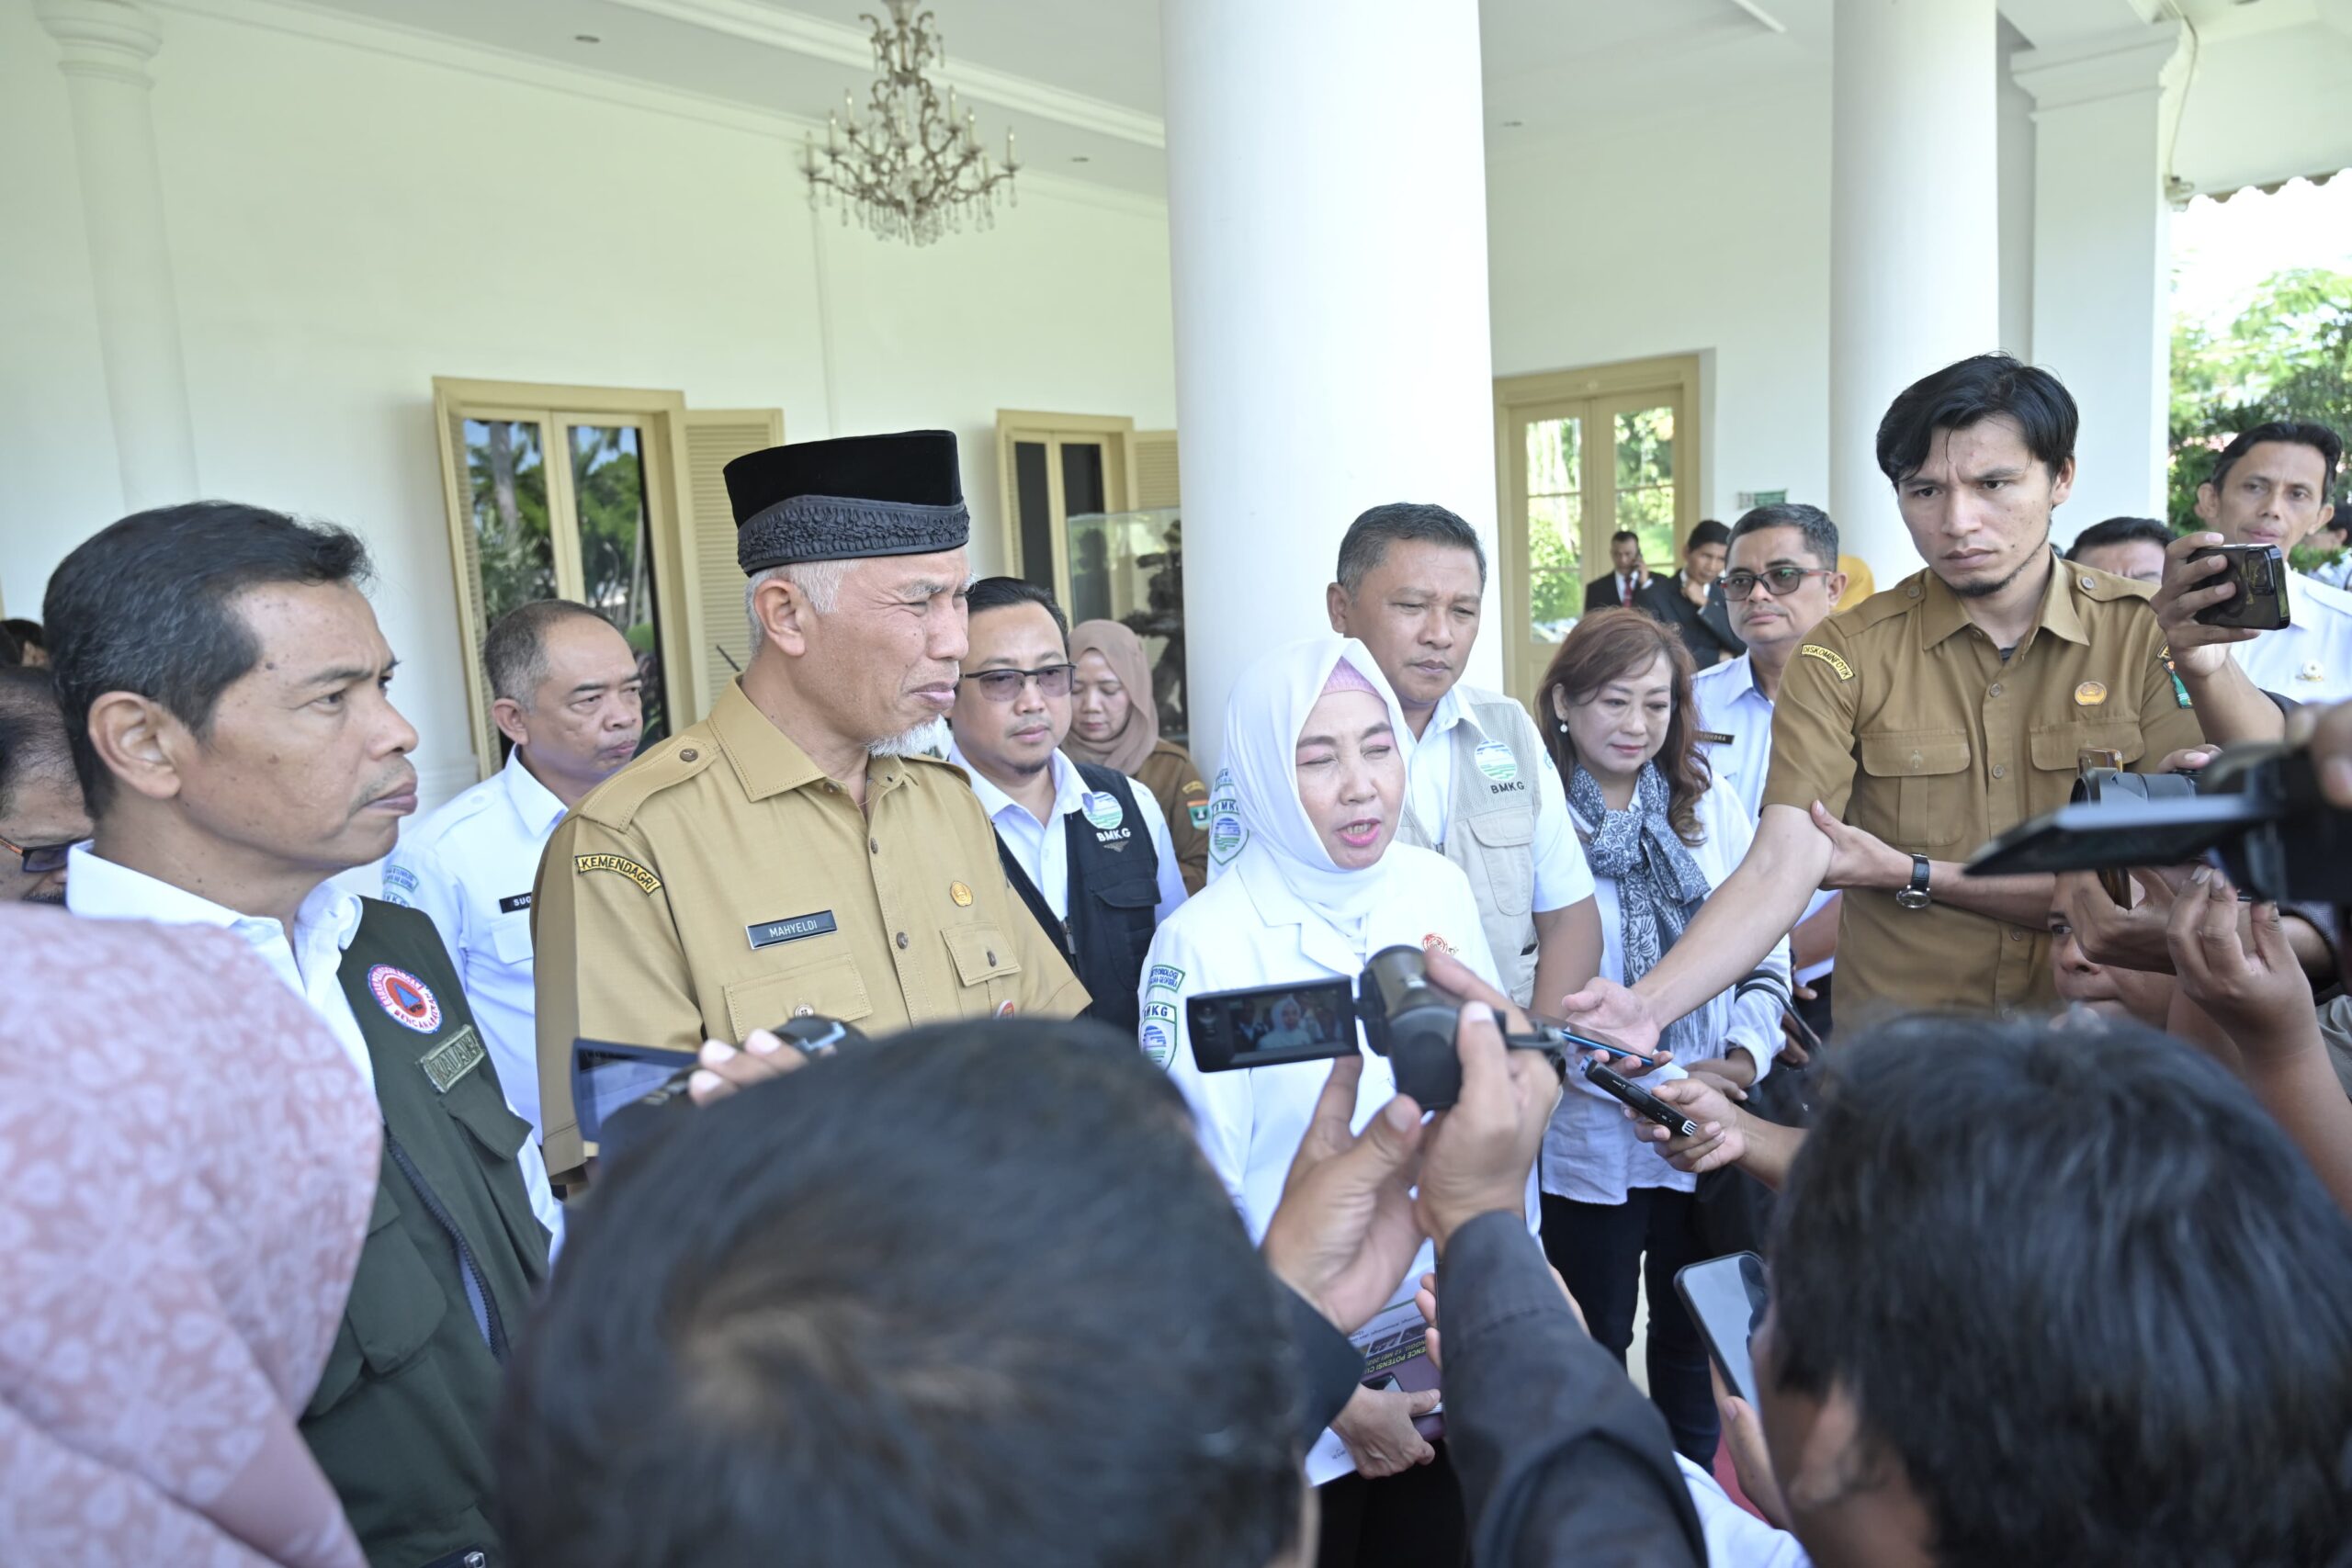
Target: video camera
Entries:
(2256, 809)
(1404, 1015)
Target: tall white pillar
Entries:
(2102, 257)
(1915, 262)
(1326, 210)
(104, 48)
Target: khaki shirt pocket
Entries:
(1937, 802)
(985, 959)
(829, 987)
(2057, 749)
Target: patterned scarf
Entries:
(1660, 886)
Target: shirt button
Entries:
(2016, 935)
(992, 958)
(902, 940)
(1995, 690)
(2000, 770)
(831, 788)
(803, 1010)
(688, 755)
(2085, 582)
(875, 845)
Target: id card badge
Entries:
(607, 1077)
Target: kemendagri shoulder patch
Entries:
(1828, 656)
(646, 881)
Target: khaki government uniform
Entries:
(721, 883)
(1174, 780)
(1902, 718)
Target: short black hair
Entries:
(1706, 531)
(2078, 1283)
(2120, 531)
(1969, 392)
(12, 652)
(515, 652)
(1365, 543)
(32, 733)
(1000, 592)
(1623, 533)
(2289, 432)
(968, 1294)
(1820, 533)
(143, 605)
(27, 632)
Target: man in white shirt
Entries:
(2270, 487)
(565, 692)
(1085, 848)
(1782, 582)
(223, 681)
(1482, 791)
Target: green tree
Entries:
(2287, 356)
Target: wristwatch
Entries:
(1914, 894)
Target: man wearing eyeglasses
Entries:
(1086, 850)
(1782, 581)
(42, 814)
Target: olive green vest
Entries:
(1490, 830)
(401, 1422)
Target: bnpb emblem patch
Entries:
(410, 1001)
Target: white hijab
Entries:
(1263, 718)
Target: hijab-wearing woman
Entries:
(1316, 745)
(1618, 717)
(188, 1163)
(1114, 723)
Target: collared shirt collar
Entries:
(1069, 787)
(533, 801)
(1739, 680)
(101, 889)
(766, 759)
(1943, 613)
(1449, 711)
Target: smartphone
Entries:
(607, 1077)
(1806, 1036)
(2260, 574)
(1569, 1037)
(1726, 1297)
(1643, 1102)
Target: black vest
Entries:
(1113, 894)
(402, 1420)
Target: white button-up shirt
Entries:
(307, 961)
(1043, 849)
(469, 866)
(2310, 659)
(1590, 1154)
(1562, 878)
(1730, 703)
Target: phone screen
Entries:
(1311, 1021)
(606, 1077)
(1726, 1298)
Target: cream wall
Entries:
(353, 211)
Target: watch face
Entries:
(1911, 899)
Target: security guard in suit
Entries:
(795, 853)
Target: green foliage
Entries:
(2287, 356)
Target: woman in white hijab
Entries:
(1315, 746)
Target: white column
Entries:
(1327, 209)
(104, 48)
(2102, 261)
(1915, 264)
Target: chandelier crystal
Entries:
(911, 167)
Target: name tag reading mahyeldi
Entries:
(453, 1059)
(767, 934)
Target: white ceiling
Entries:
(1079, 79)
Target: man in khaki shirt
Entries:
(791, 855)
(1924, 721)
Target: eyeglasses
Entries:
(1003, 686)
(40, 860)
(1782, 579)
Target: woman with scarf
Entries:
(1617, 715)
(1316, 749)
(1114, 723)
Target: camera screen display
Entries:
(1308, 1023)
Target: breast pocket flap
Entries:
(1501, 829)
(1903, 754)
(2059, 747)
(833, 988)
(981, 954)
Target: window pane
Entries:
(1138, 558)
(1555, 521)
(1081, 479)
(1036, 508)
(507, 474)
(616, 550)
(1646, 480)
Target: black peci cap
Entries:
(858, 495)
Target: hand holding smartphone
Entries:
(1726, 1298)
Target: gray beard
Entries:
(929, 739)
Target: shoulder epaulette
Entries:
(617, 801)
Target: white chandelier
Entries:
(911, 168)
